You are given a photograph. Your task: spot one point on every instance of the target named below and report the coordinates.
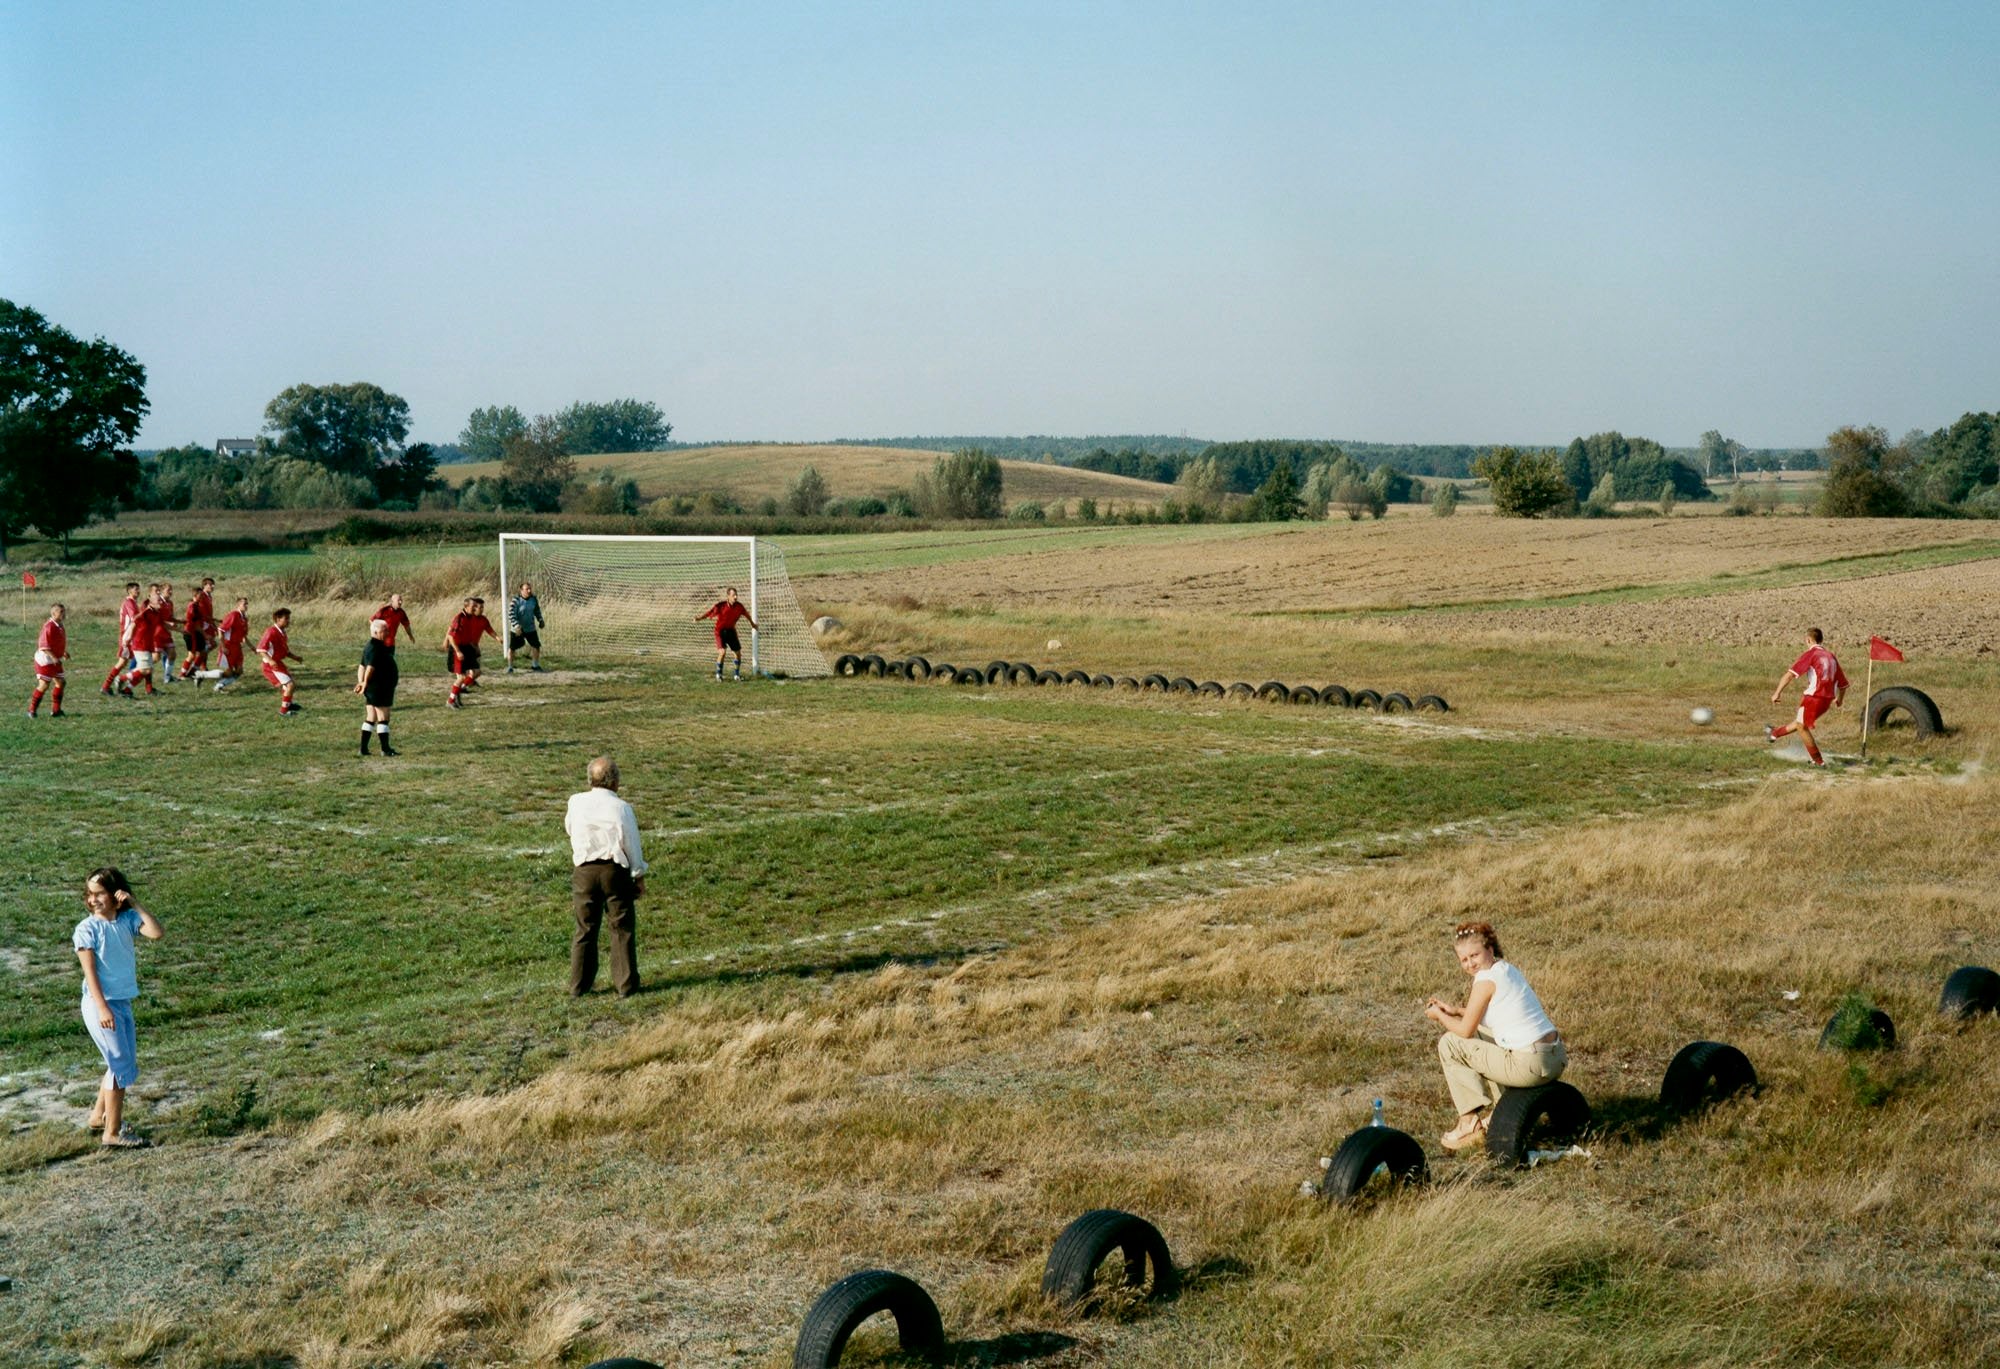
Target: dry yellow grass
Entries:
(684, 1190)
(755, 471)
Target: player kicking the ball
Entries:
(1822, 685)
(230, 635)
(51, 649)
(462, 639)
(274, 648)
(727, 613)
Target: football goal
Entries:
(627, 597)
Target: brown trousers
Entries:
(599, 887)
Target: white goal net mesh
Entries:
(639, 598)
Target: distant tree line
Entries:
(1949, 472)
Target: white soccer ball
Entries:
(1702, 717)
(1054, 644)
(825, 623)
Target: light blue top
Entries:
(109, 939)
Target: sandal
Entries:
(125, 1140)
(1462, 1136)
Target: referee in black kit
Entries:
(375, 682)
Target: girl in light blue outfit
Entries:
(105, 946)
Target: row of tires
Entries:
(1082, 1247)
(1969, 991)
(918, 669)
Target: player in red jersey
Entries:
(392, 614)
(727, 613)
(198, 631)
(149, 625)
(230, 635)
(51, 650)
(1822, 684)
(127, 611)
(462, 639)
(274, 649)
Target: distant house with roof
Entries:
(235, 446)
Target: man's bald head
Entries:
(603, 773)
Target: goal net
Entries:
(638, 597)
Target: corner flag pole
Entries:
(1867, 693)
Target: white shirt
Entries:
(602, 826)
(1515, 1018)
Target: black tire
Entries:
(967, 675)
(1427, 702)
(1548, 1112)
(944, 672)
(1242, 689)
(1153, 682)
(1048, 677)
(1076, 677)
(1705, 1072)
(1273, 691)
(1885, 703)
(1366, 698)
(997, 673)
(1210, 689)
(1103, 682)
(1878, 1035)
(847, 663)
(1084, 1244)
(1364, 1152)
(836, 1313)
(1021, 673)
(917, 668)
(1304, 694)
(1968, 991)
(1397, 703)
(873, 665)
(1334, 696)
(623, 1362)
(1126, 682)
(1181, 684)
(897, 670)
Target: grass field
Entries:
(932, 970)
(754, 471)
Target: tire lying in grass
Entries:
(1103, 682)
(917, 668)
(1021, 673)
(836, 1314)
(1397, 703)
(1870, 1030)
(944, 672)
(1048, 677)
(1366, 1151)
(1076, 677)
(967, 675)
(1273, 691)
(1210, 689)
(1304, 694)
(1242, 690)
(1152, 683)
(1366, 698)
(623, 1362)
(874, 665)
(847, 663)
(1181, 684)
(1884, 704)
(1968, 991)
(1428, 702)
(896, 670)
(1126, 682)
(1334, 696)
(1705, 1072)
(996, 673)
(1086, 1242)
(1554, 1113)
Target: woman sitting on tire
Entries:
(1501, 1039)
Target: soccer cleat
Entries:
(106, 691)
(388, 750)
(57, 713)
(452, 701)
(536, 667)
(1770, 733)
(510, 670)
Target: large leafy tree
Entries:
(622, 425)
(1525, 484)
(537, 467)
(488, 430)
(964, 484)
(68, 409)
(1277, 499)
(1863, 475)
(349, 429)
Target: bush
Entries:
(1859, 481)
(1525, 484)
(1853, 1026)
(807, 494)
(1603, 501)
(1444, 499)
(1086, 510)
(1028, 511)
(964, 484)
(1667, 495)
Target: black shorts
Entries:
(196, 644)
(380, 691)
(515, 639)
(468, 659)
(725, 640)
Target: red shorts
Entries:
(233, 660)
(278, 678)
(47, 670)
(1811, 706)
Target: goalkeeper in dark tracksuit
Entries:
(524, 624)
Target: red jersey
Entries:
(53, 640)
(149, 627)
(1819, 673)
(201, 613)
(234, 629)
(468, 628)
(726, 615)
(394, 618)
(127, 611)
(274, 644)
(163, 629)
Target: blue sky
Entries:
(1397, 222)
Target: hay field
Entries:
(755, 471)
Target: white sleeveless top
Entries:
(1515, 1017)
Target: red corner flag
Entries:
(27, 579)
(1879, 650)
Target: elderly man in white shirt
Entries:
(610, 875)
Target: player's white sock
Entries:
(208, 674)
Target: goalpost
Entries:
(639, 596)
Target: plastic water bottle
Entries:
(1377, 1120)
